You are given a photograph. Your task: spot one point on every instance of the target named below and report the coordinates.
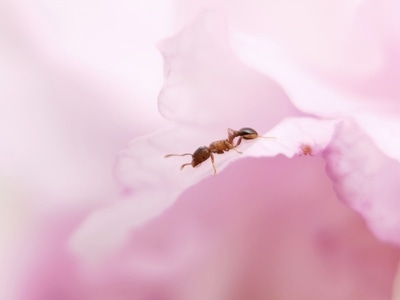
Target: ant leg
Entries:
(184, 165)
(232, 147)
(212, 161)
(169, 155)
(231, 134)
(237, 151)
(238, 142)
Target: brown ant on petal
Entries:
(219, 147)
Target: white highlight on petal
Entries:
(205, 84)
(305, 91)
(293, 133)
(384, 130)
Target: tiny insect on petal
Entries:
(219, 147)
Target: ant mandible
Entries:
(219, 147)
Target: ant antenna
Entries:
(184, 165)
(184, 154)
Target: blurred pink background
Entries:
(95, 93)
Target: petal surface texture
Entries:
(366, 179)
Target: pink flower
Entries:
(272, 224)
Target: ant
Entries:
(219, 147)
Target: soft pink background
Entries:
(87, 215)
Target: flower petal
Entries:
(295, 136)
(383, 130)
(155, 182)
(264, 228)
(277, 229)
(206, 84)
(309, 93)
(352, 45)
(366, 179)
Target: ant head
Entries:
(248, 133)
(201, 154)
